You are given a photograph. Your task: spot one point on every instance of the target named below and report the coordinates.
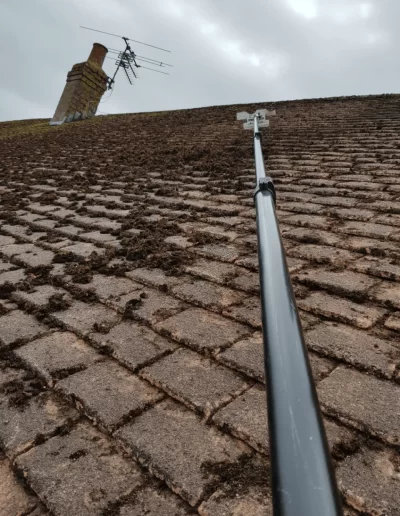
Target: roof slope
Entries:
(131, 358)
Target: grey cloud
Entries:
(224, 51)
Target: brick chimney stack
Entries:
(86, 83)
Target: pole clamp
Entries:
(265, 184)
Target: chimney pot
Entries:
(98, 54)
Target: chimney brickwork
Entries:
(86, 83)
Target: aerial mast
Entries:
(127, 59)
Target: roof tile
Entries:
(354, 347)
(198, 382)
(87, 466)
(362, 401)
(370, 481)
(159, 439)
(203, 330)
(109, 393)
(341, 310)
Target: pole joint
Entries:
(265, 184)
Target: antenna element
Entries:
(128, 60)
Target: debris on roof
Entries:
(131, 361)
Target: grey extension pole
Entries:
(303, 481)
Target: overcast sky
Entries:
(223, 51)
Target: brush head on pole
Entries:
(261, 115)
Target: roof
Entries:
(131, 357)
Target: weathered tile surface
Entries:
(6, 240)
(388, 293)
(154, 306)
(322, 254)
(224, 253)
(83, 250)
(153, 277)
(133, 344)
(58, 355)
(38, 297)
(198, 382)
(22, 424)
(207, 294)
(362, 401)
(377, 266)
(212, 270)
(256, 501)
(248, 312)
(342, 310)
(203, 330)
(246, 356)
(12, 276)
(370, 481)
(346, 282)
(250, 282)
(246, 418)
(107, 287)
(17, 327)
(153, 501)
(109, 393)
(82, 317)
(79, 473)
(354, 347)
(17, 249)
(159, 439)
(38, 257)
(14, 500)
(341, 439)
(11, 374)
(393, 322)
(320, 366)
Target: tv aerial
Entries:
(127, 59)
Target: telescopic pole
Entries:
(303, 481)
